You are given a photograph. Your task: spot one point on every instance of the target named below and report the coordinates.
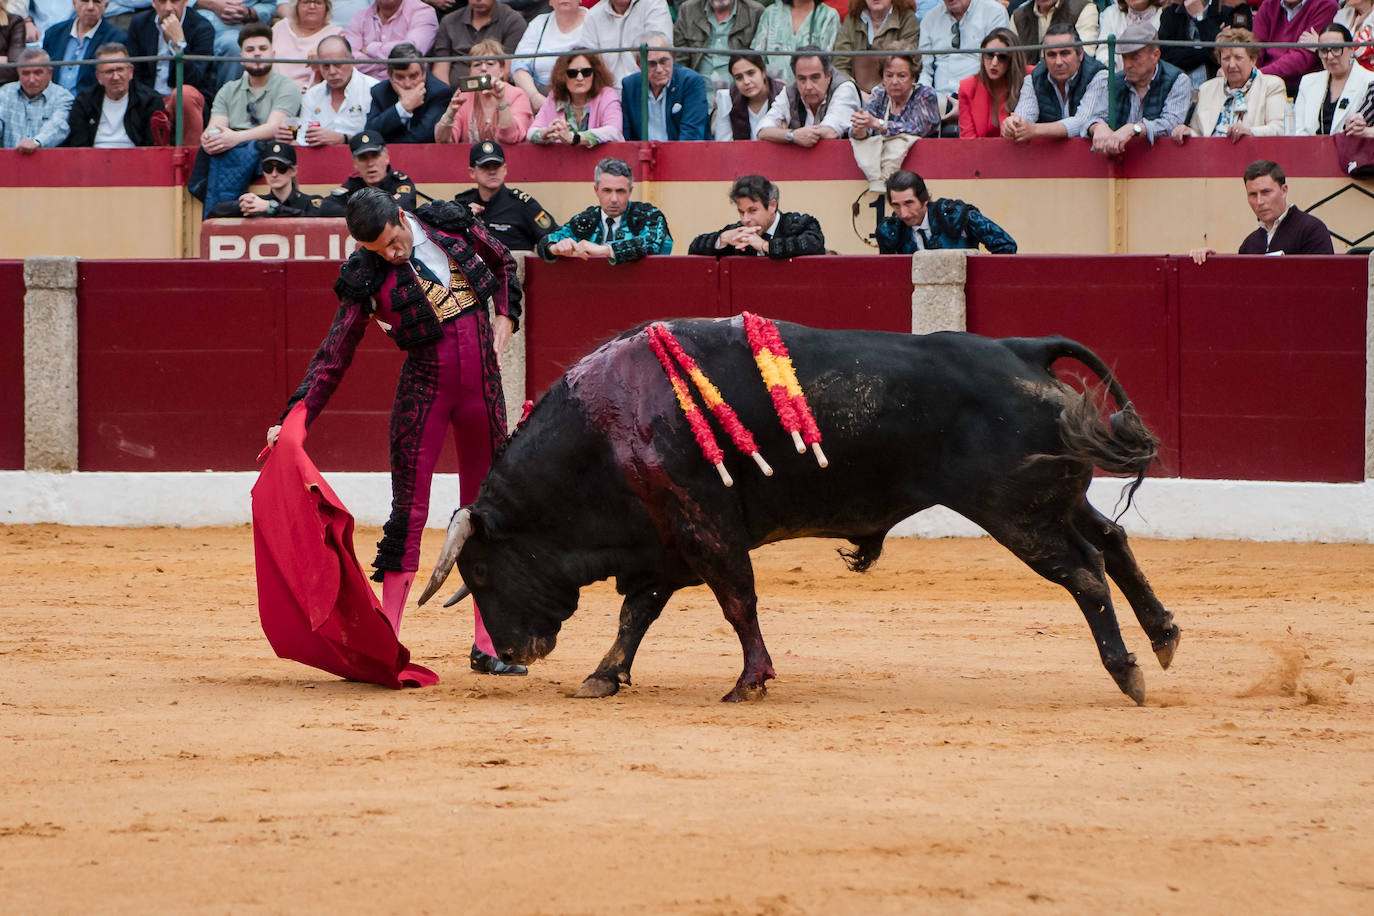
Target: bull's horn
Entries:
(459, 530)
(463, 592)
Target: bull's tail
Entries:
(1119, 443)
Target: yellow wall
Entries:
(1045, 216)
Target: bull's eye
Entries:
(479, 573)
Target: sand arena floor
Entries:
(940, 738)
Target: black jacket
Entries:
(200, 39)
(420, 128)
(395, 183)
(298, 204)
(798, 234)
(85, 115)
(514, 217)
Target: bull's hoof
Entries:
(1164, 651)
(594, 688)
(1133, 685)
(742, 694)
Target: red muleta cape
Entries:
(314, 599)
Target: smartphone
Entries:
(473, 83)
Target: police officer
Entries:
(514, 217)
(372, 162)
(283, 197)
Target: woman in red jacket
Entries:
(992, 93)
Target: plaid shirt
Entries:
(43, 118)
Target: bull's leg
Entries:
(1058, 553)
(1110, 538)
(730, 576)
(639, 610)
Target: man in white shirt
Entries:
(956, 24)
(116, 113)
(817, 106)
(620, 24)
(334, 110)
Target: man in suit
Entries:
(78, 38)
(617, 228)
(116, 113)
(1283, 228)
(761, 230)
(406, 107)
(677, 98)
(922, 224)
(166, 27)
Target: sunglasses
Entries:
(274, 166)
(997, 56)
(580, 73)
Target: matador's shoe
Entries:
(483, 663)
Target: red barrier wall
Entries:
(582, 304)
(11, 365)
(1248, 368)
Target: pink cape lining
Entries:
(316, 604)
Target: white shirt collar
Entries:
(1277, 223)
(773, 227)
(74, 34)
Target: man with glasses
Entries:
(283, 198)
(116, 113)
(336, 109)
(955, 24)
(250, 108)
(406, 107)
(677, 98)
(1065, 92)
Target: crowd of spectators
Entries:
(789, 72)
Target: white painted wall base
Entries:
(1164, 507)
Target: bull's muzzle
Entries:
(459, 530)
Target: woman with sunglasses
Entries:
(298, 34)
(992, 93)
(501, 113)
(582, 108)
(560, 30)
(1334, 93)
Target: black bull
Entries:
(605, 479)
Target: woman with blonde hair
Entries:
(501, 113)
(582, 108)
(298, 33)
(992, 93)
(892, 23)
(1239, 101)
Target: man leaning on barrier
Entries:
(761, 230)
(116, 113)
(919, 223)
(818, 105)
(617, 228)
(1283, 228)
(1065, 92)
(372, 163)
(1150, 101)
(34, 111)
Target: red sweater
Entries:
(1272, 24)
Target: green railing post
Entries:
(181, 77)
(1111, 82)
(644, 99)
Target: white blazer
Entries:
(1307, 110)
(1264, 103)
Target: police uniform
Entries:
(395, 183)
(514, 217)
(297, 203)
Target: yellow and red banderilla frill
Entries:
(668, 350)
(775, 365)
(770, 354)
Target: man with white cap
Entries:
(1150, 101)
